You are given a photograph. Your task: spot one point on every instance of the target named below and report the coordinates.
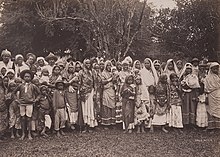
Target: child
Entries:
(175, 116)
(59, 107)
(29, 94)
(14, 114)
(3, 71)
(152, 101)
(11, 74)
(44, 108)
(162, 103)
(201, 113)
(140, 109)
(44, 77)
(128, 103)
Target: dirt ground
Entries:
(113, 143)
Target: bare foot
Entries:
(58, 134)
(22, 137)
(44, 134)
(72, 127)
(130, 131)
(12, 136)
(17, 134)
(138, 131)
(62, 133)
(151, 129)
(164, 130)
(29, 137)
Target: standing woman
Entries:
(31, 58)
(149, 73)
(212, 88)
(108, 111)
(20, 65)
(3, 111)
(87, 94)
(157, 66)
(170, 68)
(6, 60)
(190, 86)
(71, 94)
(136, 67)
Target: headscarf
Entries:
(135, 62)
(191, 80)
(129, 59)
(18, 56)
(106, 63)
(42, 58)
(167, 71)
(5, 52)
(212, 81)
(212, 86)
(187, 65)
(149, 77)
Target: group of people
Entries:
(40, 94)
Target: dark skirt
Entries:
(108, 115)
(213, 122)
(189, 108)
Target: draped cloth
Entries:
(212, 87)
(88, 110)
(149, 77)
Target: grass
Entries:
(114, 143)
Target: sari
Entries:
(212, 87)
(128, 104)
(87, 91)
(108, 112)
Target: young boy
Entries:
(59, 106)
(44, 108)
(28, 95)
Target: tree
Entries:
(189, 29)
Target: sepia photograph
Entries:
(110, 78)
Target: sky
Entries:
(162, 3)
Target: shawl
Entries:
(149, 77)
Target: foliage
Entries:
(110, 28)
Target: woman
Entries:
(20, 65)
(41, 63)
(6, 60)
(170, 68)
(108, 112)
(31, 58)
(136, 67)
(51, 59)
(71, 94)
(56, 75)
(148, 73)
(87, 93)
(179, 65)
(212, 88)
(190, 86)
(157, 66)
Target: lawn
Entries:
(115, 143)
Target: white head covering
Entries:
(18, 56)
(187, 65)
(149, 77)
(135, 62)
(5, 52)
(174, 66)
